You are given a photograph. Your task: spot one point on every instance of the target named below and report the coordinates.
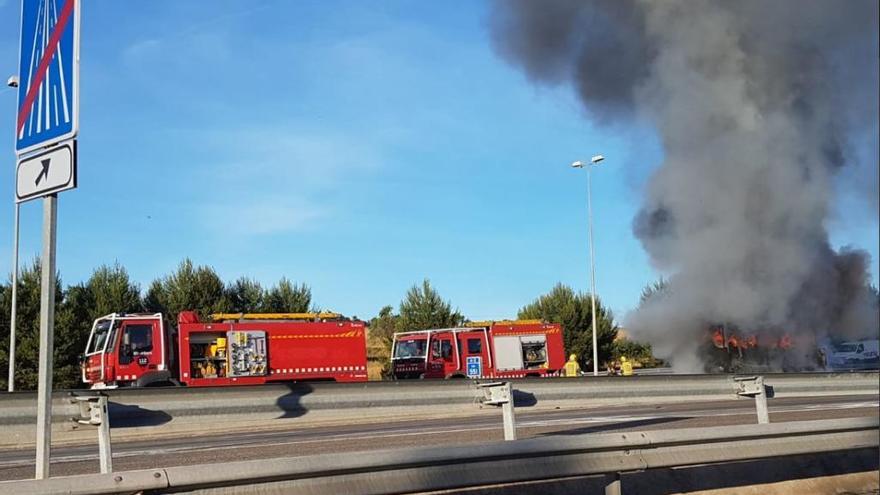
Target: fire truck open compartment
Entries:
(534, 350)
(519, 352)
(206, 359)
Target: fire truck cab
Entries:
(505, 349)
(130, 349)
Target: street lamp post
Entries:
(579, 164)
(12, 82)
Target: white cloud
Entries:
(291, 157)
(258, 215)
(272, 181)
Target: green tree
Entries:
(287, 297)
(27, 333)
(574, 312)
(189, 288)
(113, 291)
(380, 332)
(73, 323)
(246, 295)
(108, 290)
(423, 308)
(632, 349)
(383, 326)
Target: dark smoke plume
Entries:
(759, 105)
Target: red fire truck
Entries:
(136, 350)
(492, 349)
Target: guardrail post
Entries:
(509, 419)
(612, 484)
(501, 394)
(753, 386)
(93, 411)
(104, 450)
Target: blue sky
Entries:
(358, 147)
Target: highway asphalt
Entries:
(217, 447)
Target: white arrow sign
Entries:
(46, 173)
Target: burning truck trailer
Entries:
(729, 349)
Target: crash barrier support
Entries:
(93, 412)
(753, 386)
(500, 394)
(428, 469)
(612, 484)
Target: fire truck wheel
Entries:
(153, 379)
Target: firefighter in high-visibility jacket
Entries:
(572, 368)
(626, 366)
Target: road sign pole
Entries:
(14, 313)
(47, 334)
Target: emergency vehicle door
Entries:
(450, 359)
(135, 345)
(443, 357)
(474, 351)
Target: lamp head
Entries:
(578, 164)
(596, 159)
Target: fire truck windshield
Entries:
(99, 337)
(410, 349)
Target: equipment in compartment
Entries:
(247, 353)
(534, 350)
(208, 355)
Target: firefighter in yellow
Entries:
(572, 368)
(626, 366)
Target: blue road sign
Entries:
(474, 366)
(48, 70)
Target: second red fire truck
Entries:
(499, 349)
(232, 349)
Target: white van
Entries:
(859, 354)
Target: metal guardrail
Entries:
(428, 469)
(136, 413)
(138, 405)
